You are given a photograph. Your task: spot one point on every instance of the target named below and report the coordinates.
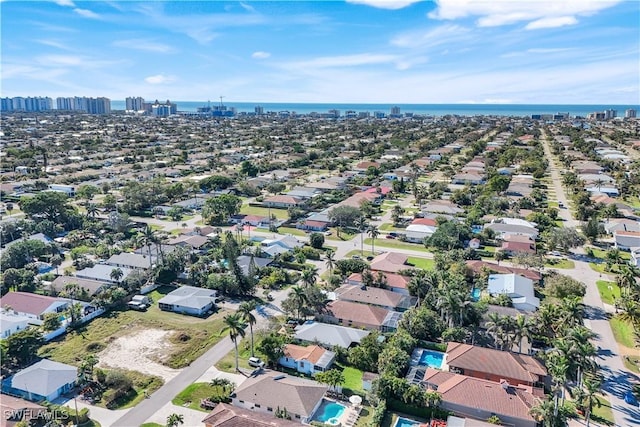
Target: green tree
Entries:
(309, 276)
(51, 205)
(373, 233)
(344, 216)
(174, 420)
(333, 378)
(330, 260)
(219, 209)
(22, 347)
(272, 346)
(234, 323)
(316, 240)
(246, 311)
(51, 322)
(449, 235)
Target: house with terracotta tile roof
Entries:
(395, 282)
(365, 316)
(513, 248)
(307, 360)
(269, 391)
(390, 262)
(479, 399)
(225, 415)
(494, 365)
(375, 296)
(476, 266)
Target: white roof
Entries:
(189, 296)
(518, 288)
(44, 377)
(329, 334)
(422, 228)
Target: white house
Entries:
(189, 300)
(307, 360)
(416, 233)
(625, 240)
(11, 322)
(69, 190)
(518, 288)
(44, 380)
(635, 257)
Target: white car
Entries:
(256, 362)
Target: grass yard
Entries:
(365, 253)
(292, 231)
(193, 336)
(423, 263)
(602, 254)
(394, 244)
(151, 425)
(228, 362)
(633, 201)
(599, 267)
(622, 331)
(387, 226)
(602, 414)
(366, 415)
(190, 396)
(559, 263)
(352, 379)
(632, 363)
(344, 235)
(609, 291)
(257, 210)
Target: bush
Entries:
(316, 240)
(378, 414)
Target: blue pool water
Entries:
(405, 422)
(328, 410)
(475, 294)
(432, 359)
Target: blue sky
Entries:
(368, 51)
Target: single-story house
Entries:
(225, 415)
(130, 260)
(37, 236)
(518, 288)
(502, 229)
(11, 322)
(395, 282)
(244, 261)
(190, 242)
(15, 410)
(625, 240)
(32, 305)
(621, 224)
(269, 391)
(361, 315)
(44, 380)
(329, 335)
(390, 262)
(312, 225)
(442, 206)
(102, 273)
(416, 233)
(512, 248)
(375, 296)
(477, 266)
(189, 300)
(92, 287)
(480, 399)
(284, 201)
(635, 257)
(494, 365)
(468, 178)
(308, 360)
(287, 242)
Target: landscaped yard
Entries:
(352, 379)
(344, 235)
(422, 263)
(622, 331)
(387, 226)
(190, 397)
(394, 244)
(258, 210)
(190, 337)
(559, 263)
(609, 291)
(632, 363)
(603, 413)
(228, 362)
(365, 253)
(292, 231)
(602, 254)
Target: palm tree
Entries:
(330, 261)
(300, 297)
(239, 229)
(116, 274)
(544, 413)
(309, 276)
(361, 226)
(627, 279)
(147, 238)
(589, 398)
(234, 323)
(396, 212)
(92, 210)
(373, 232)
(245, 309)
(56, 261)
(521, 329)
(174, 420)
(558, 366)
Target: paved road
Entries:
(556, 180)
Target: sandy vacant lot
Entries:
(139, 351)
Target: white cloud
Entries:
(62, 60)
(537, 14)
(55, 44)
(260, 55)
(438, 36)
(144, 44)
(159, 79)
(67, 3)
(86, 13)
(345, 61)
(247, 7)
(560, 21)
(385, 4)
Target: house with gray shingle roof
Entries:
(329, 335)
(44, 380)
(189, 300)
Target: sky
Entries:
(353, 51)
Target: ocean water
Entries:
(419, 109)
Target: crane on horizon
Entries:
(221, 101)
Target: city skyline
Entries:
(363, 51)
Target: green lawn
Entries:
(352, 378)
(365, 253)
(633, 201)
(622, 331)
(632, 363)
(366, 415)
(394, 244)
(228, 362)
(602, 254)
(257, 210)
(387, 226)
(422, 263)
(190, 396)
(609, 291)
(191, 338)
(151, 425)
(290, 230)
(603, 414)
(344, 235)
(559, 263)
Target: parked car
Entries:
(256, 362)
(327, 233)
(555, 253)
(630, 398)
(389, 236)
(355, 256)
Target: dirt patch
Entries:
(142, 351)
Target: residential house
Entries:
(225, 415)
(395, 282)
(375, 296)
(329, 335)
(311, 225)
(442, 206)
(244, 262)
(44, 380)
(480, 399)
(621, 224)
(269, 391)
(91, 287)
(307, 360)
(518, 288)
(280, 244)
(103, 273)
(502, 229)
(416, 233)
(512, 248)
(11, 322)
(15, 410)
(625, 240)
(390, 262)
(284, 201)
(477, 267)
(494, 365)
(194, 243)
(464, 178)
(189, 300)
(130, 260)
(361, 315)
(31, 305)
(635, 257)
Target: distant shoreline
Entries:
(417, 109)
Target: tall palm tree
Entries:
(234, 323)
(330, 261)
(148, 238)
(590, 398)
(116, 274)
(309, 276)
(373, 232)
(558, 367)
(544, 413)
(300, 297)
(521, 329)
(246, 311)
(361, 226)
(92, 210)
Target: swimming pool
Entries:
(432, 359)
(328, 410)
(405, 422)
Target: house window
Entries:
(241, 401)
(269, 409)
(257, 406)
(297, 416)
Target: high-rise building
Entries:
(18, 103)
(610, 114)
(395, 111)
(630, 113)
(134, 104)
(65, 104)
(259, 110)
